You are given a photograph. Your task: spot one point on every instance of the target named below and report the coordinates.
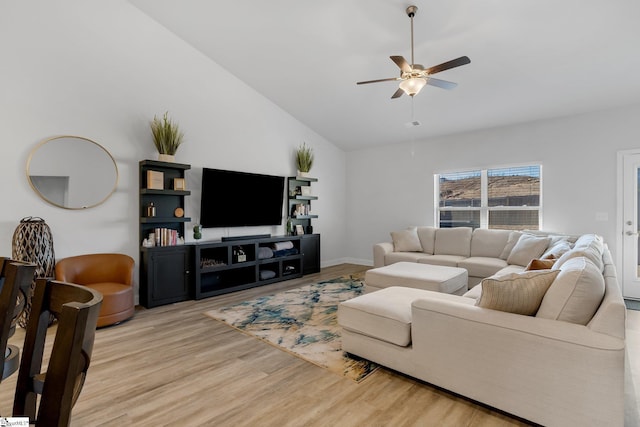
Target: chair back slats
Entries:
(15, 277)
(76, 308)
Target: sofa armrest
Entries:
(379, 252)
(552, 372)
(459, 307)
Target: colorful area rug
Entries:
(302, 321)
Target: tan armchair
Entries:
(109, 274)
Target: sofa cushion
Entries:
(510, 269)
(589, 246)
(406, 240)
(445, 260)
(590, 253)
(393, 257)
(519, 293)
(540, 264)
(576, 293)
(527, 248)
(482, 266)
(488, 243)
(474, 292)
(514, 236)
(453, 241)
(427, 236)
(590, 240)
(384, 314)
(556, 249)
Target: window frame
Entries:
(484, 207)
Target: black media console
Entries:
(232, 265)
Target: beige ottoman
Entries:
(384, 315)
(450, 280)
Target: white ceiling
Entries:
(530, 60)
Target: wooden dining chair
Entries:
(15, 279)
(76, 309)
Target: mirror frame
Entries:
(43, 197)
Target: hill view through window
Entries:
(506, 198)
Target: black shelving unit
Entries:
(165, 270)
(296, 198)
(310, 242)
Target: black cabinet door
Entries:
(166, 278)
(310, 247)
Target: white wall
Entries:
(389, 188)
(102, 70)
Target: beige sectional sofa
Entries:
(481, 252)
(560, 365)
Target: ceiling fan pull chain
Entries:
(413, 119)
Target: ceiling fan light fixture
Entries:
(413, 85)
(413, 77)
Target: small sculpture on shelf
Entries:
(301, 210)
(290, 226)
(151, 210)
(239, 254)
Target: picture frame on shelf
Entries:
(155, 180)
(179, 184)
(299, 230)
(306, 190)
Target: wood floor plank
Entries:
(173, 363)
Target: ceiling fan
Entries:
(413, 77)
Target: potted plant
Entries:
(167, 137)
(304, 159)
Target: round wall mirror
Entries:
(72, 172)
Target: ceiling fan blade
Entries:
(379, 80)
(397, 93)
(402, 63)
(463, 60)
(441, 83)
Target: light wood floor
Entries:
(172, 365)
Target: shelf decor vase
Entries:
(167, 158)
(304, 160)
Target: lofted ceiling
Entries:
(530, 60)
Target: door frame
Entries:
(621, 156)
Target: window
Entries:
(507, 198)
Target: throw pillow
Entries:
(557, 249)
(576, 293)
(590, 246)
(527, 248)
(519, 293)
(511, 242)
(540, 264)
(406, 240)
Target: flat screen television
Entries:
(239, 199)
